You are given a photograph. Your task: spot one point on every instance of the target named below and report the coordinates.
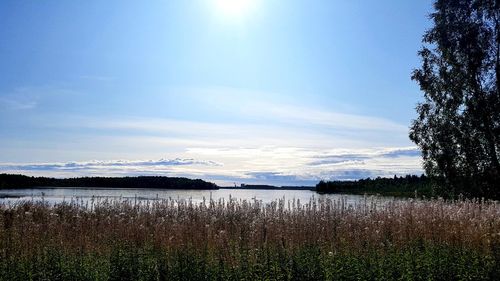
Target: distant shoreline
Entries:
(9, 181)
(408, 186)
(311, 188)
(13, 181)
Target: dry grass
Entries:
(239, 234)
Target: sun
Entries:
(235, 9)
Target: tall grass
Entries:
(241, 240)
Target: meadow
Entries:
(248, 240)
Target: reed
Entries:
(321, 239)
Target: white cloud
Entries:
(271, 165)
(310, 116)
(273, 107)
(271, 142)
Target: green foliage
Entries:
(458, 123)
(321, 240)
(434, 262)
(407, 186)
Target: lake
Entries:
(57, 195)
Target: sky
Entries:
(230, 91)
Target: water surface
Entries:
(57, 195)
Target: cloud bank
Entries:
(266, 165)
(102, 165)
(223, 135)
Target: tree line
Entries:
(404, 186)
(22, 181)
(458, 122)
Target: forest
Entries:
(404, 186)
(22, 181)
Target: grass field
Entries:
(285, 240)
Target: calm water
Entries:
(56, 195)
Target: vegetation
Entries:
(21, 181)
(239, 240)
(458, 123)
(408, 186)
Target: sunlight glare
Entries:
(235, 9)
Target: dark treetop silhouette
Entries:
(21, 181)
(458, 123)
(407, 186)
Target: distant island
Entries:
(405, 186)
(159, 182)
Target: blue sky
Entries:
(261, 91)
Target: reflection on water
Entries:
(57, 195)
